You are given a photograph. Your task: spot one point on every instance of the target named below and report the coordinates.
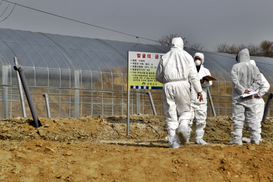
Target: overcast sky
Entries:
(209, 22)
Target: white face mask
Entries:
(197, 63)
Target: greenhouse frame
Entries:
(88, 77)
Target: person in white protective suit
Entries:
(199, 108)
(245, 78)
(174, 70)
(263, 89)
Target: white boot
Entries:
(172, 138)
(237, 137)
(236, 141)
(173, 142)
(183, 133)
(246, 140)
(255, 137)
(199, 137)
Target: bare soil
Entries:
(98, 149)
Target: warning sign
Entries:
(142, 68)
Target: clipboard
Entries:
(248, 95)
(209, 78)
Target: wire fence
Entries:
(63, 104)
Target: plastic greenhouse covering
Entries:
(84, 76)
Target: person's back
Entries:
(261, 91)
(181, 65)
(177, 65)
(245, 78)
(259, 108)
(243, 75)
(174, 70)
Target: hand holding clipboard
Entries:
(209, 78)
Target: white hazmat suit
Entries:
(199, 108)
(263, 89)
(174, 70)
(244, 77)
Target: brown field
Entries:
(98, 149)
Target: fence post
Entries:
(45, 95)
(211, 103)
(18, 68)
(152, 102)
(20, 90)
(267, 106)
(5, 96)
(137, 101)
(77, 93)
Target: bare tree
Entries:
(222, 48)
(240, 47)
(198, 47)
(253, 50)
(267, 48)
(167, 40)
(234, 49)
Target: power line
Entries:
(82, 22)
(5, 11)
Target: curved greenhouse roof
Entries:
(41, 50)
(87, 76)
(66, 52)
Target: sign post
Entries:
(142, 68)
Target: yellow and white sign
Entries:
(142, 68)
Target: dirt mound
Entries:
(99, 149)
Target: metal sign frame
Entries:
(141, 70)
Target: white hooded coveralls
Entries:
(263, 89)
(199, 108)
(244, 76)
(174, 70)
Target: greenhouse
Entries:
(84, 76)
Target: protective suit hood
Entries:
(177, 42)
(253, 62)
(243, 56)
(201, 55)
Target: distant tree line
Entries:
(264, 49)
